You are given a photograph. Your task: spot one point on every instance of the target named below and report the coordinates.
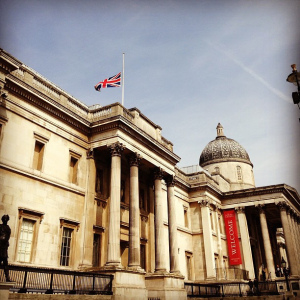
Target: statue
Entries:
(4, 237)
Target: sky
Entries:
(189, 65)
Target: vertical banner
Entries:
(232, 237)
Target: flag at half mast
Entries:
(114, 81)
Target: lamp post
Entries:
(285, 272)
(294, 78)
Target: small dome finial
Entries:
(220, 132)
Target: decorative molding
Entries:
(69, 223)
(158, 173)
(116, 149)
(134, 159)
(27, 212)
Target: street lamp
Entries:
(285, 272)
(294, 78)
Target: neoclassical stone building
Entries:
(97, 188)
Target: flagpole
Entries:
(123, 79)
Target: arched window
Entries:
(239, 173)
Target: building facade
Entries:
(97, 188)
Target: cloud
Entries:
(222, 49)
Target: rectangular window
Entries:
(38, 155)
(188, 258)
(186, 220)
(96, 250)
(26, 240)
(142, 199)
(143, 256)
(73, 169)
(66, 246)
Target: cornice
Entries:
(121, 123)
(56, 109)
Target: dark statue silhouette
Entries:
(4, 238)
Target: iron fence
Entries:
(236, 289)
(55, 281)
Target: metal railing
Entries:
(237, 289)
(54, 281)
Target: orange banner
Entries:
(232, 237)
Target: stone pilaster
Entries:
(267, 242)
(173, 244)
(245, 241)
(134, 213)
(87, 250)
(208, 240)
(288, 238)
(113, 251)
(159, 225)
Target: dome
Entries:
(223, 149)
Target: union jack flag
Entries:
(114, 81)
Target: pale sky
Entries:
(188, 66)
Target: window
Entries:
(217, 170)
(142, 199)
(27, 235)
(186, 220)
(38, 155)
(143, 256)
(26, 240)
(39, 149)
(66, 246)
(239, 173)
(122, 192)
(96, 250)
(188, 259)
(99, 183)
(74, 159)
(68, 230)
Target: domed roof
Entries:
(223, 149)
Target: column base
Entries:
(4, 289)
(166, 286)
(128, 284)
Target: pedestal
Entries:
(128, 284)
(165, 286)
(4, 289)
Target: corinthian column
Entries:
(134, 213)
(207, 239)
(288, 239)
(173, 245)
(113, 255)
(159, 225)
(245, 239)
(267, 242)
(290, 214)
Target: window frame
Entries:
(74, 170)
(74, 226)
(37, 218)
(41, 140)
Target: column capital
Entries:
(134, 159)
(204, 203)
(282, 205)
(116, 149)
(90, 153)
(170, 180)
(261, 208)
(240, 209)
(158, 174)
